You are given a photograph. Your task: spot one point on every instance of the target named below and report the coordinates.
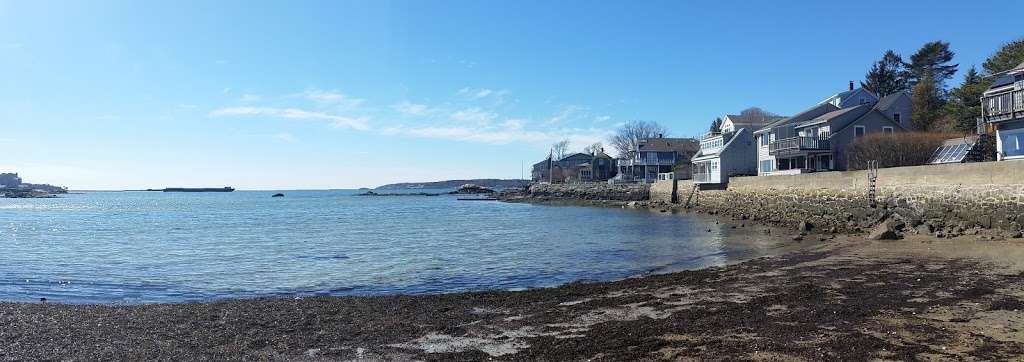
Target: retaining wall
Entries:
(947, 199)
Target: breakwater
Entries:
(582, 192)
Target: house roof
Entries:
(804, 116)
(576, 154)
(752, 120)
(840, 114)
(846, 94)
(681, 145)
(889, 100)
(1019, 68)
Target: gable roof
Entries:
(752, 120)
(575, 155)
(808, 114)
(1019, 68)
(681, 145)
(847, 94)
(888, 101)
(839, 117)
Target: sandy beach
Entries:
(843, 298)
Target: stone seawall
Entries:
(947, 200)
(589, 191)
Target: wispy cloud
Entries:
(412, 109)
(474, 115)
(481, 93)
(12, 45)
(284, 136)
(509, 131)
(332, 97)
(358, 123)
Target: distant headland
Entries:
(12, 186)
(452, 184)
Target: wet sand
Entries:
(841, 299)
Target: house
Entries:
(1003, 112)
(576, 167)
(655, 155)
(817, 138)
(728, 151)
(9, 180)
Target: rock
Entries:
(473, 189)
(312, 352)
(277, 195)
(804, 226)
(885, 230)
(924, 229)
(1014, 235)
(798, 238)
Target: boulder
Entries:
(804, 226)
(277, 195)
(887, 230)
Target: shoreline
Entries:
(841, 298)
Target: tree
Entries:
(886, 76)
(755, 112)
(559, 149)
(964, 105)
(932, 61)
(1009, 56)
(716, 125)
(593, 148)
(927, 101)
(629, 135)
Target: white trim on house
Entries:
(863, 131)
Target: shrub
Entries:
(895, 150)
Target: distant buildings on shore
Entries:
(12, 184)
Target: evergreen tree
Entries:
(964, 105)
(1008, 57)
(887, 76)
(716, 125)
(932, 61)
(927, 101)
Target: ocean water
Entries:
(153, 247)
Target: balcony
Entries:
(1004, 106)
(797, 144)
(645, 162)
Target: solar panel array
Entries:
(951, 153)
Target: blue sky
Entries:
(338, 94)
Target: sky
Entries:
(345, 94)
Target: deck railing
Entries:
(798, 144)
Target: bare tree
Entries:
(559, 149)
(755, 112)
(629, 135)
(594, 148)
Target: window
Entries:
(896, 117)
(858, 131)
(764, 139)
(1012, 142)
(887, 130)
(766, 166)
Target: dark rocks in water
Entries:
(26, 194)
(277, 195)
(472, 189)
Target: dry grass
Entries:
(895, 150)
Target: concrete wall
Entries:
(948, 198)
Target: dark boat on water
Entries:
(199, 189)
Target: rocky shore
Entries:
(844, 299)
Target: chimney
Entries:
(851, 85)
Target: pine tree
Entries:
(932, 61)
(927, 101)
(887, 76)
(1009, 56)
(716, 125)
(964, 105)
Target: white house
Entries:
(1003, 111)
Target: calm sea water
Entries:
(143, 247)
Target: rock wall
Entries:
(590, 191)
(947, 200)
